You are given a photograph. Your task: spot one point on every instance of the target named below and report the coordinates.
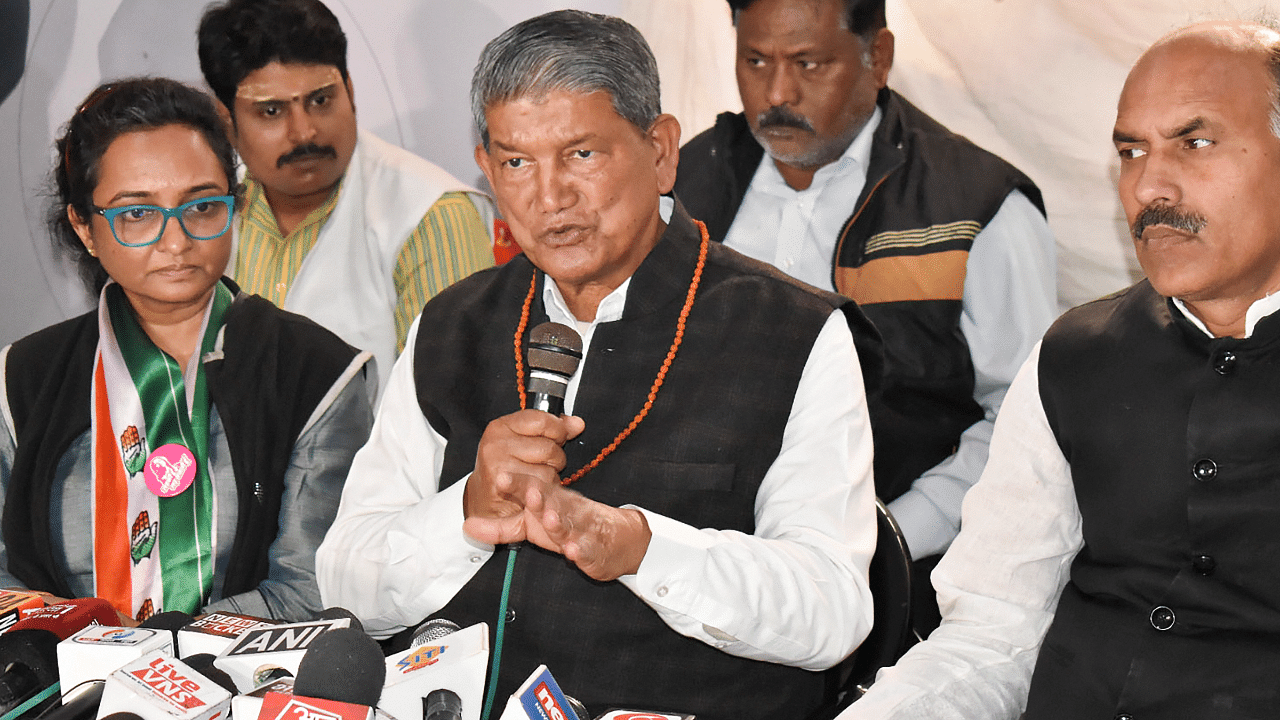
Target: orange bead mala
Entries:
(657, 381)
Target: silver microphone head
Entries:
(432, 630)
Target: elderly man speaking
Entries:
(694, 535)
(1118, 557)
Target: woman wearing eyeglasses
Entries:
(183, 446)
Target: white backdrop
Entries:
(1036, 81)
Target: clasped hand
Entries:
(515, 494)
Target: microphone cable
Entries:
(495, 668)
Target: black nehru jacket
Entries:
(699, 457)
(1173, 439)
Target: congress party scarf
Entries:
(153, 502)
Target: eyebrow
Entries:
(331, 87)
(143, 195)
(569, 143)
(810, 50)
(1193, 125)
(1118, 136)
(268, 101)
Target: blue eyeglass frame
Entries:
(175, 212)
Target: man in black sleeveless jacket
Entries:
(1118, 556)
(842, 183)
(709, 553)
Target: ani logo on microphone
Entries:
(167, 683)
(424, 656)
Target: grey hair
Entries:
(1269, 21)
(568, 50)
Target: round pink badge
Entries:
(169, 470)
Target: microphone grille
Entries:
(555, 348)
(432, 630)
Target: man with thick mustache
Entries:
(1118, 557)
(709, 552)
(840, 182)
(338, 225)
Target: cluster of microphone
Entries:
(71, 661)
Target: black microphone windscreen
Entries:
(335, 613)
(171, 620)
(203, 664)
(29, 661)
(168, 620)
(122, 715)
(343, 664)
(433, 630)
(442, 704)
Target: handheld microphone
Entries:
(344, 665)
(215, 632)
(432, 630)
(454, 662)
(282, 706)
(442, 704)
(67, 618)
(98, 650)
(539, 697)
(13, 602)
(159, 686)
(339, 678)
(278, 645)
(29, 659)
(554, 353)
(170, 620)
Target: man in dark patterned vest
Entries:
(842, 183)
(693, 534)
(1118, 556)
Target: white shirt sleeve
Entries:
(1010, 299)
(396, 551)
(795, 592)
(998, 585)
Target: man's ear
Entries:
(228, 120)
(882, 56)
(351, 91)
(664, 133)
(483, 161)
